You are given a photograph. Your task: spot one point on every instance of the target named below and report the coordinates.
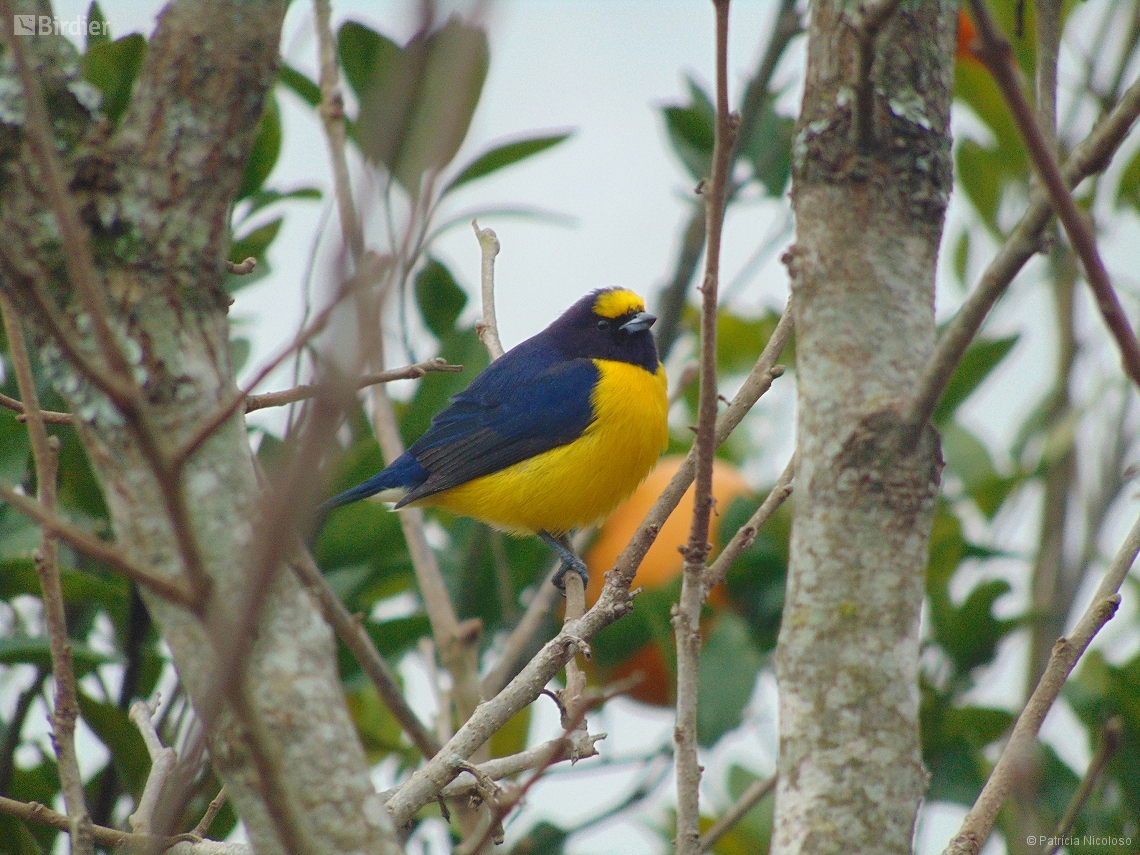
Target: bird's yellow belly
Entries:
(579, 483)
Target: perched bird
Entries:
(551, 436)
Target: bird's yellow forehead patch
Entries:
(614, 304)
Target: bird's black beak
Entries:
(639, 322)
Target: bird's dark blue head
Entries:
(608, 324)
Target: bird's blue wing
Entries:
(527, 402)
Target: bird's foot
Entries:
(570, 561)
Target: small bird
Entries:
(550, 437)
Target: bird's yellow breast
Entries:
(579, 483)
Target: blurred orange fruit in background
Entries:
(662, 565)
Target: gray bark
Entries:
(154, 197)
(870, 186)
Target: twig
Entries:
(571, 700)
(519, 642)
(111, 837)
(1106, 746)
(98, 549)
(312, 390)
(559, 749)
(212, 810)
(162, 760)
(246, 267)
(573, 736)
(356, 639)
(997, 54)
(1091, 156)
(45, 452)
(49, 417)
(332, 112)
(488, 327)
(1066, 652)
(748, 800)
(687, 614)
(371, 267)
(744, 536)
(871, 18)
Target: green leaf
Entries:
(968, 459)
(768, 146)
(97, 32)
(1128, 190)
(977, 362)
(255, 243)
(440, 299)
(739, 340)
(240, 349)
(264, 198)
(970, 633)
(364, 53)
(264, 152)
(416, 106)
(504, 155)
(28, 650)
(379, 731)
(299, 85)
(728, 668)
(691, 130)
(962, 256)
(113, 67)
(122, 738)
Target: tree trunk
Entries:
(871, 178)
(153, 198)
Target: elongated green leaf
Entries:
(265, 151)
(416, 105)
(440, 299)
(37, 651)
(364, 54)
(113, 67)
(978, 361)
(691, 130)
(97, 31)
(504, 155)
(299, 85)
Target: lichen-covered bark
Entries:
(154, 197)
(869, 194)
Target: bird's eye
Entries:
(603, 324)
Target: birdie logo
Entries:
(49, 25)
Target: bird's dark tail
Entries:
(379, 482)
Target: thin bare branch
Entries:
(98, 549)
(162, 760)
(997, 54)
(1106, 746)
(1091, 156)
(355, 638)
(1066, 652)
(687, 615)
(212, 810)
(746, 534)
(748, 800)
(312, 390)
(243, 269)
(49, 417)
(45, 452)
(488, 327)
(370, 269)
(332, 112)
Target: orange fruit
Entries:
(662, 565)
